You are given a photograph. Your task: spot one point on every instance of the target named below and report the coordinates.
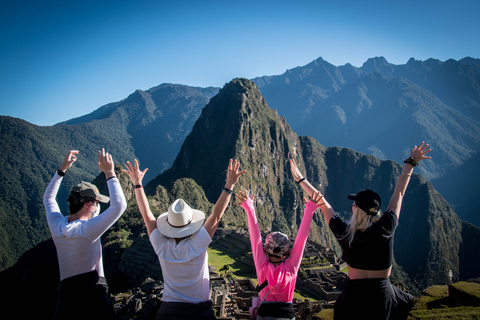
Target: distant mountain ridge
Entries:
(149, 125)
(383, 109)
(243, 126)
(152, 126)
(238, 123)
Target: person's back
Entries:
(367, 291)
(180, 238)
(275, 263)
(77, 240)
(184, 266)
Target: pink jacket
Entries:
(281, 278)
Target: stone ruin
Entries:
(231, 298)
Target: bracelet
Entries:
(411, 161)
(111, 177)
(228, 190)
(138, 186)
(300, 181)
(60, 173)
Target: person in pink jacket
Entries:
(275, 262)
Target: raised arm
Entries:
(136, 176)
(49, 197)
(417, 154)
(233, 175)
(259, 256)
(302, 235)
(324, 206)
(96, 227)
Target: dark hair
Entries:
(76, 201)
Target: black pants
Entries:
(374, 299)
(84, 296)
(277, 310)
(186, 311)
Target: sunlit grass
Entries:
(218, 259)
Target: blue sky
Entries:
(64, 59)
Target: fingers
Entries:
(241, 172)
(418, 153)
(71, 156)
(101, 154)
(132, 169)
(317, 198)
(243, 196)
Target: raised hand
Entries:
(242, 197)
(418, 153)
(295, 171)
(134, 172)
(233, 174)
(317, 198)
(70, 158)
(105, 162)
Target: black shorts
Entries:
(277, 310)
(84, 296)
(372, 299)
(185, 311)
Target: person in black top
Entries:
(367, 248)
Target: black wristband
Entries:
(227, 190)
(301, 180)
(111, 178)
(60, 173)
(138, 186)
(411, 161)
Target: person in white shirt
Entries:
(83, 290)
(180, 238)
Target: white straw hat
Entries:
(180, 221)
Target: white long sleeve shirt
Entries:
(79, 249)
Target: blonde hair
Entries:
(360, 221)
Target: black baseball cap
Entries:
(367, 200)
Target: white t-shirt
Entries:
(79, 249)
(184, 266)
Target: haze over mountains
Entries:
(384, 109)
(385, 115)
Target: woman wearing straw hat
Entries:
(275, 264)
(180, 238)
(367, 245)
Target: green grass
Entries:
(302, 295)
(325, 314)
(446, 313)
(219, 258)
(434, 303)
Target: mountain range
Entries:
(192, 132)
(384, 109)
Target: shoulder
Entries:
(389, 215)
(388, 220)
(337, 225)
(201, 237)
(336, 221)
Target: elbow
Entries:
(123, 205)
(120, 205)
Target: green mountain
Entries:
(238, 123)
(150, 125)
(241, 125)
(384, 109)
